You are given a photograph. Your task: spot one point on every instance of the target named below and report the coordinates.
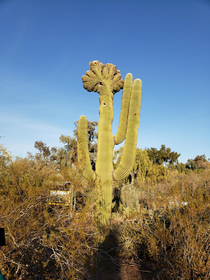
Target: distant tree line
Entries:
(150, 162)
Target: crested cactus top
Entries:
(100, 76)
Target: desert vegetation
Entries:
(160, 217)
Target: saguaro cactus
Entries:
(106, 80)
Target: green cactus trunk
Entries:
(106, 80)
(104, 162)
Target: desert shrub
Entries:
(5, 160)
(130, 196)
(173, 236)
(157, 173)
(43, 242)
(153, 225)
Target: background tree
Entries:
(164, 155)
(143, 164)
(198, 163)
(45, 153)
(44, 150)
(68, 155)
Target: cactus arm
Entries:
(128, 156)
(82, 149)
(121, 132)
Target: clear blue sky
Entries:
(46, 47)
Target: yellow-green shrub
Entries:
(42, 242)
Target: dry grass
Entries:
(158, 238)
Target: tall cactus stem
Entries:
(106, 80)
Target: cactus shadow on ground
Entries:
(106, 258)
(108, 263)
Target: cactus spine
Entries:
(106, 80)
